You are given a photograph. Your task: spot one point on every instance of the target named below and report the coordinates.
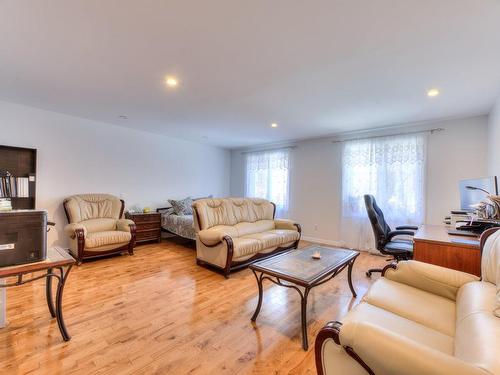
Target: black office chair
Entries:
(399, 249)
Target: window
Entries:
(267, 176)
(393, 170)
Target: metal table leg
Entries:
(349, 277)
(303, 303)
(48, 293)
(261, 295)
(57, 310)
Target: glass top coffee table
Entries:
(297, 269)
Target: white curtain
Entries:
(267, 176)
(393, 170)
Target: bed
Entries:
(180, 225)
(178, 218)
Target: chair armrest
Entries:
(123, 225)
(286, 224)
(441, 281)
(213, 236)
(395, 233)
(388, 353)
(410, 227)
(72, 228)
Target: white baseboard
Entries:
(323, 241)
(341, 244)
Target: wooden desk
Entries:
(433, 244)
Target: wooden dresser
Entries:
(148, 226)
(433, 244)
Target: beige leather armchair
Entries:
(233, 232)
(421, 319)
(96, 226)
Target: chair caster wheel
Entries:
(368, 274)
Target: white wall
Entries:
(315, 198)
(494, 141)
(81, 156)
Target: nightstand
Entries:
(148, 226)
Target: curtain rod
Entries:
(432, 131)
(269, 149)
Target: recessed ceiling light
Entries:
(171, 81)
(274, 125)
(432, 93)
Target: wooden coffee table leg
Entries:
(303, 302)
(349, 277)
(261, 295)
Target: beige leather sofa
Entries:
(233, 232)
(421, 319)
(96, 226)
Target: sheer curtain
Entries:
(267, 176)
(393, 170)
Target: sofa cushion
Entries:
(213, 212)
(252, 209)
(244, 247)
(98, 239)
(406, 301)
(99, 225)
(286, 235)
(245, 228)
(477, 337)
(412, 330)
(275, 238)
(92, 206)
(231, 211)
(268, 239)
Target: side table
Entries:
(148, 226)
(57, 265)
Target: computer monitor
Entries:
(475, 190)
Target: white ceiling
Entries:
(314, 67)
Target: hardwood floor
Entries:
(157, 312)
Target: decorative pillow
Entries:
(182, 207)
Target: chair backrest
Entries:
(231, 211)
(477, 334)
(490, 256)
(490, 262)
(93, 206)
(380, 227)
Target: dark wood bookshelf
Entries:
(20, 162)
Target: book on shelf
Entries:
(5, 204)
(14, 187)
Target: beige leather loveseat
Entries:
(96, 226)
(232, 232)
(421, 319)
